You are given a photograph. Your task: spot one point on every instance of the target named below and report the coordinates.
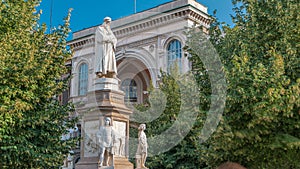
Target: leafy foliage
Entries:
(260, 125)
(179, 93)
(31, 64)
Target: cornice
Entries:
(183, 14)
(187, 12)
(82, 42)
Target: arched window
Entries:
(83, 79)
(130, 88)
(174, 54)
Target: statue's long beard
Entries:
(106, 25)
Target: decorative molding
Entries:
(196, 16)
(75, 58)
(80, 43)
(137, 44)
(147, 24)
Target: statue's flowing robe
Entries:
(105, 60)
(142, 146)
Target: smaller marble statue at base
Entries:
(142, 152)
(106, 135)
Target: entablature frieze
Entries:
(123, 31)
(82, 42)
(153, 22)
(140, 43)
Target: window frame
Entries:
(132, 88)
(82, 90)
(174, 54)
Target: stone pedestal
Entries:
(138, 161)
(105, 100)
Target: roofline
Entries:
(186, 5)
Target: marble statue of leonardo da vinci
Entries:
(105, 60)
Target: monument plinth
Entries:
(105, 100)
(105, 118)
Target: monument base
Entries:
(92, 163)
(107, 83)
(122, 163)
(105, 100)
(87, 163)
(107, 167)
(138, 160)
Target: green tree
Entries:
(179, 93)
(260, 124)
(32, 121)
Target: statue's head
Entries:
(142, 127)
(107, 121)
(107, 20)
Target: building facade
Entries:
(148, 41)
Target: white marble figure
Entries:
(142, 146)
(119, 146)
(105, 56)
(122, 146)
(106, 135)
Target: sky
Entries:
(88, 13)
